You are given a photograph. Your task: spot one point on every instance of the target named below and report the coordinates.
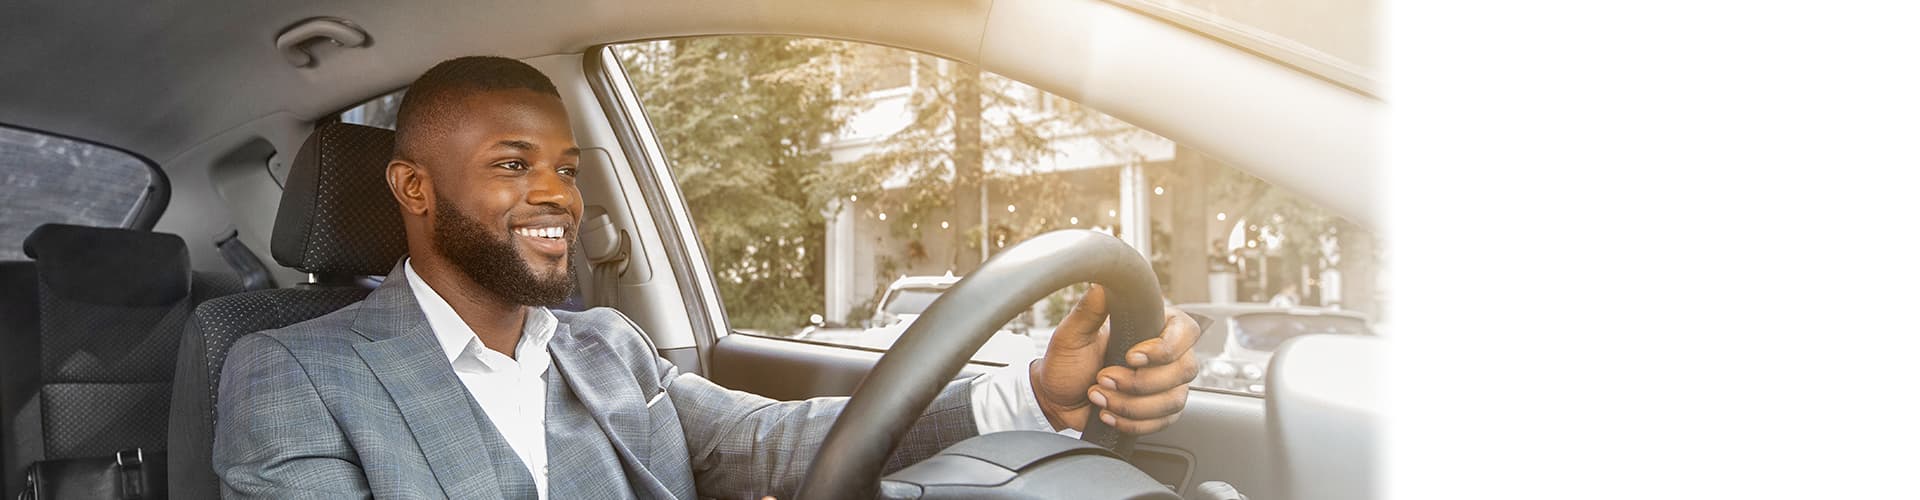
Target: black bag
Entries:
(131, 474)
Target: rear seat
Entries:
(89, 367)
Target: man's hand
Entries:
(1144, 396)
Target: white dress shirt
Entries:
(514, 396)
(509, 389)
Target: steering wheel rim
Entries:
(920, 363)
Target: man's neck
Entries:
(496, 321)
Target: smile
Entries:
(550, 241)
(554, 232)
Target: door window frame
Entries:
(686, 255)
(153, 202)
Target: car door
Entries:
(801, 178)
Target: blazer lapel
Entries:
(410, 364)
(606, 386)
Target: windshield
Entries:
(911, 300)
(1265, 331)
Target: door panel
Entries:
(1220, 437)
(787, 369)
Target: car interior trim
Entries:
(635, 135)
(1277, 48)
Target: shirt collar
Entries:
(457, 338)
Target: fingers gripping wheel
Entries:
(939, 342)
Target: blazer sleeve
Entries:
(745, 445)
(274, 438)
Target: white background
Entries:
(1654, 249)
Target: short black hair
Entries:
(425, 109)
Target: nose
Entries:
(549, 187)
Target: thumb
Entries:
(1082, 326)
(1061, 379)
(1078, 346)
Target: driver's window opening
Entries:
(840, 187)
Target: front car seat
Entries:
(338, 223)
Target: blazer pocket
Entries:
(661, 413)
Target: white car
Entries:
(905, 299)
(1236, 348)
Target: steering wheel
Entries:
(938, 343)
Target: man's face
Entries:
(506, 208)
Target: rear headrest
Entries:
(111, 266)
(336, 215)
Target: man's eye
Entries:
(512, 165)
(569, 172)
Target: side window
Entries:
(383, 111)
(48, 179)
(840, 187)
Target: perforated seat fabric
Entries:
(337, 220)
(337, 216)
(214, 328)
(109, 306)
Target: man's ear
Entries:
(411, 186)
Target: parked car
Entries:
(1235, 349)
(906, 298)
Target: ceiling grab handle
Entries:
(294, 41)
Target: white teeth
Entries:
(544, 232)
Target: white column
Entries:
(1136, 226)
(1221, 286)
(840, 252)
(1330, 293)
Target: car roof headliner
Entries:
(157, 77)
(160, 77)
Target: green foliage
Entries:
(1017, 126)
(744, 124)
(741, 121)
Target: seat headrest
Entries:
(111, 266)
(336, 215)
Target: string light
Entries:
(1113, 213)
(853, 198)
(1157, 191)
(943, 224)
(1009, 208)
(1073, 220)
(883, 216)
(1220, 216)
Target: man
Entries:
(453, 379)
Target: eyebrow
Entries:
(528, 146)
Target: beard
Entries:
(496, 263)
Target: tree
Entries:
(969, 129)
(741, 121)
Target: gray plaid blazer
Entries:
(362, 402)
